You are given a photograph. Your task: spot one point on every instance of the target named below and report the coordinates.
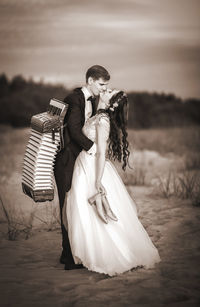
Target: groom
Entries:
(82, 105)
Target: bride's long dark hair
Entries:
(118, 144)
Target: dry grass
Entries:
(21, 224)
(192, 161)
(180, 141)
(135, 176)
(50, 218)
(18, 225)
(184, 181)
(185, 185)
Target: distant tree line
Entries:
(162, 110)
(20, 99)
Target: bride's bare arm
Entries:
(102, 136)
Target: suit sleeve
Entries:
(74, 124)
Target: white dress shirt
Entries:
(88, 113)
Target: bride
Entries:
(105, 233)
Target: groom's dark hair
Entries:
(97, 72)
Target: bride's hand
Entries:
(100, 188)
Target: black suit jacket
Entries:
(74, 140)
(75, 119)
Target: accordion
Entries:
(46, 138)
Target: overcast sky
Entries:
(151, 45)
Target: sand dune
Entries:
(31, 274)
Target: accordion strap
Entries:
(53, 136)
(61, 131)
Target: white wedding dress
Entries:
(111, 248)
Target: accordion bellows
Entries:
(41, 150)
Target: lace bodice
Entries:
(89, 129)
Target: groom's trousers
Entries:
(74, 142)
(63, 172)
